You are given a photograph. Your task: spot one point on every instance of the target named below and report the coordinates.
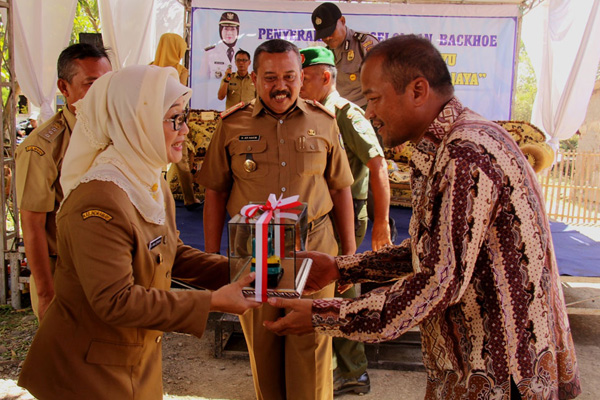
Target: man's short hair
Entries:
(275, 46)
(66, 66)
(243, 52)
(407, 57)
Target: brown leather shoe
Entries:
(360, 385)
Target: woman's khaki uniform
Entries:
(110, 330)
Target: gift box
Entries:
(264, 238)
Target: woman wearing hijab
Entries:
(118, 247)
(171, 49)
(169, 52)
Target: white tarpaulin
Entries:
(127, 30)
(478, 42)
(561, 38)
(42, 30)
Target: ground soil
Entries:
(191, 371)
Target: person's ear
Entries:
(253, 76)
(420, 90)
(63, 87)
(326, 77)
(343, 19)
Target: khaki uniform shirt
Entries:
(359, 138)
(297, 154)
(239, 89)
(38, 163)
(101, 336)
(348, 57)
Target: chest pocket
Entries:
(350, 67)
(241, 151)
(312, 155)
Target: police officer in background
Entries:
(280, 143)
(39, 161)
(348, 46)
(217, 58)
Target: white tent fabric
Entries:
(42, 30)
(41, 34)
(565, 58)
(127, 30)
(168, 18)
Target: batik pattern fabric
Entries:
(478, 275)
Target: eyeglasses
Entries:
(241, 60)
(178, 120)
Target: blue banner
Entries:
(478, 42)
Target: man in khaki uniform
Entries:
(39, 160)
(368, 166)
(237, 86)
(281, 144)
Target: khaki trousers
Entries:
(292, 367)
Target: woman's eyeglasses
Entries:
(178, 120)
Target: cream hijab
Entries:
(119, 135)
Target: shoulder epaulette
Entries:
(53, 129)
(233, 109)
(210, 47)
(366, 40)
(316, 104)
(362, 36)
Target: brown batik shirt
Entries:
(478, 274)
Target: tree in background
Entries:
(87, 19)
(526, 87)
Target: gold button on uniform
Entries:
(159, 258)
(158, 339)
(249, 165)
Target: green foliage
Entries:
(526, 88)
(86, 19)
(570, 144)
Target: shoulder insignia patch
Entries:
(96, 213)
(316, 104)
(210, 47)
(53, 130)
(359, 36)
(233, 109)
(35, 149)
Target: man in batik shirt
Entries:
(478, 274)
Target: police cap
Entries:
(316, 56)
(229, 18)
(324, 19)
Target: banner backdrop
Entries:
(478, 42)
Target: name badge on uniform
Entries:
(249, 138)
(155, 242)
